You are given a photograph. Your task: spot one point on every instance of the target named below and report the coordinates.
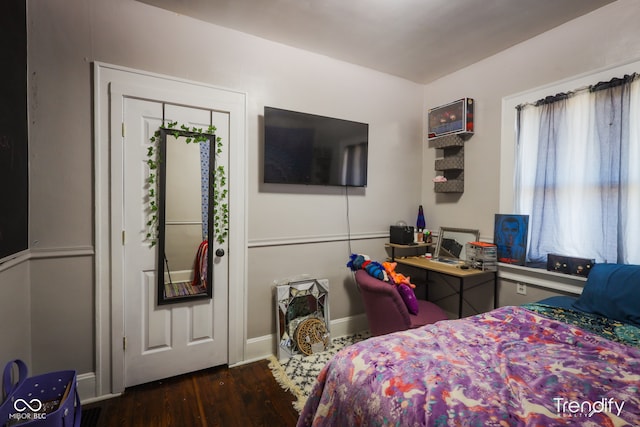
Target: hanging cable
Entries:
(346, 193)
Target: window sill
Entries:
(542, 278)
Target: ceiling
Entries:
(419, 40)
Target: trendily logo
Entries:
(574, 408)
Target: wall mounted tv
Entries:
(301, 148)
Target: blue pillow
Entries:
(613, 291)
(562, 301)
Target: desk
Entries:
(452, 271)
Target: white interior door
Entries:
(112, 86)
(167, 340)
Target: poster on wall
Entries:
(510, 237)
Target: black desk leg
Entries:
(460, 298)
(495, 289)
(426, 285)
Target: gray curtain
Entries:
(602, 211)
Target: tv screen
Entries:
(301, 148)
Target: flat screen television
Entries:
(301, 148)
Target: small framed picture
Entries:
(510, 236)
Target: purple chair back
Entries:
(385, 309)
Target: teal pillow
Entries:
(612, 291)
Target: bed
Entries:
(550, 363)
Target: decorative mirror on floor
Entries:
(302, 317)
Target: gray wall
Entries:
(57, 277)
(15, 309)
(50, 297)
(606, 37)
(602, 39)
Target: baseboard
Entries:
(261, 347)
(86, 386)
(349, 325)
(257, 349)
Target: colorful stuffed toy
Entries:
(357, 261)
(375, 269)
(387, 273)
(363, 262)
(398, 278)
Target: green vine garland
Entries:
(218, 181)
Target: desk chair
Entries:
(387, 312)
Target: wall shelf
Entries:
(451, 160)
(451, 186)
(448, 141)
(451, 164)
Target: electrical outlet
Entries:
(521, 288)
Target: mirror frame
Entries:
(162, 188)
(450, 259)
(286, 296)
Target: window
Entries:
(577, 172)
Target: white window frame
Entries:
(536, 276)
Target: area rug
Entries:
(298, 374)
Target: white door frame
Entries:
(110, 84)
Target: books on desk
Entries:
(482, 255)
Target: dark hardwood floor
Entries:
(246, 395)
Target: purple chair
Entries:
(387, 312)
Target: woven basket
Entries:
(311, 331)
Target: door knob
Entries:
(220, 252)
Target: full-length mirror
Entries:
(185, 203)
(452, 242)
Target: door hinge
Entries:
(123, 236)
(123, 129)
(124, 343)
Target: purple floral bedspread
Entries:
(508, 367)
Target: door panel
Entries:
(167, 340)
(156, 324)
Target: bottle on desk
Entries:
(420, 225)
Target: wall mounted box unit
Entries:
(453, 118)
